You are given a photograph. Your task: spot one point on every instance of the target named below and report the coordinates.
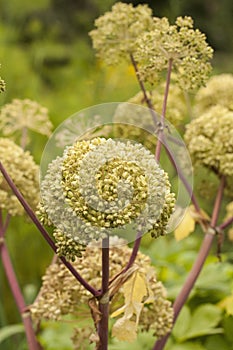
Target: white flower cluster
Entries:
(100, 185)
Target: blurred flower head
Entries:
(210, 140)
(24, 114)
(23, 171)
(60, 293)
(114, 38)
(218, 91)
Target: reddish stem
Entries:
(134, 252)
(160, 136)
(226, 223)
(45, 234)
(104, 301)
(197, 266)
(17, 294)
(182, 178)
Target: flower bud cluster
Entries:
(218, 91)
(210, 140)
(163, 323)
(99, 185)
(185, 46)
(60, 293)
(20, 114)
(114, 38)
(23, 171)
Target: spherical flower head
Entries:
(24, 114)
(210, 140)
(23, 171)
(180, 43)
(114, 38)
(218, 91)
(103, 184)
(61, 295)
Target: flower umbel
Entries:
(61, 294)
(180, 43)
(20, 114)
(218, 91)
(210, 140)
(100, 185)
(114, 38)
(23, 171)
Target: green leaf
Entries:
(228, 326)
(206, 316)
(216, 342)
(186, 346)
(182, 323)
(8, 331)
(203, 322)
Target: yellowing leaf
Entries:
(125, 330)
(118, 311)
(135, 289)
(136, 292)
(227, 304)
(186, 226)
(198, 217)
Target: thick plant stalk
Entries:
(198, 264)
(142, 86)
(160, 136)
(45, 234)
(17, 294)
(104, 300)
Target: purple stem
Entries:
(16, 291)
(197, 266)
(104, 300)
(45, 234)
(183, 179)
(134, 251)
(7, 221)
(160, 136)
(226, 223)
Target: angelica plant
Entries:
(108, 179)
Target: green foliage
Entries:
(203, 321)
(8, 331)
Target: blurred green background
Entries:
(46, 55)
